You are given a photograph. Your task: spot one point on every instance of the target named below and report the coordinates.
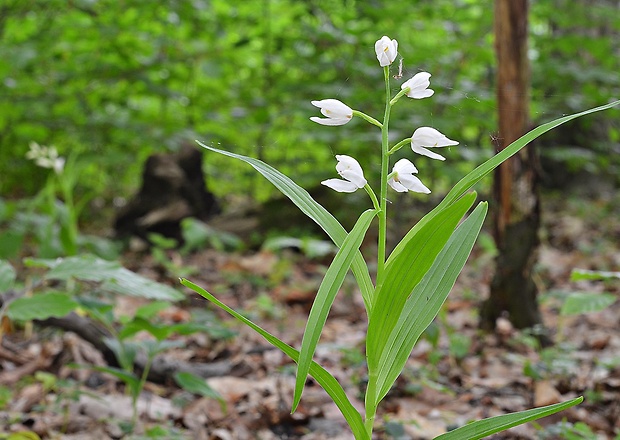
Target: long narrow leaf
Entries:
(322, 376)
(403, 273)
(485, 168)
(315, 211)
(478, 173)
(426, 300)
(483, 428)
(334, 277)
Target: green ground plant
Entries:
(412, 283)
(90, 285)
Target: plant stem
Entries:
(399, 145)
(72, 229)
(370, 404)
(368, 118)
(384, 174)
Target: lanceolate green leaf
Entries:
(325, 296)
(484, 169)
(322, 376)
(405, 271)
(478, 173)
(427, 298)
(483, 428)
(315, 211)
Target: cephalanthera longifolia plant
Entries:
(412, 283)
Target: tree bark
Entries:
(517, 216)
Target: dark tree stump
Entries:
(173, 188)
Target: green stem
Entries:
(370, 405)
(142, 382)
(399, 95)
(370, 119)
(399, 145)
(72, 229)
(373, 197)
(381, 245)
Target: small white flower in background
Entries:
(403, 178)
(418, 86)
(337, 112)
(430, 138)
(386, 50)
(46, 157)
(350, 170)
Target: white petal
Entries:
(418, 86)
(340, 185)
(429, 137)
(354, 177)
(426, 93)
(348, 163)
(397, 186)
(412, 183)
(59, 164)
(330, 121)
(424, 152)
(333, 108)
(386, 50)
(404, 166)
(419, 80)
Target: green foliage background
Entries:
(114, 81)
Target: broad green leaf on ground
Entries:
(482, 428)
(485, 168)
(322, 376)
(584, 274)
(578, 303)
(114, 277)
(132, 381)
(198, 385)
(87, 267)
(7, 276)
(405, 271)
(426, 300)
(332, 281)
(41, 306)
(315, 211)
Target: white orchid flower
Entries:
(386, 50)
(430, 138)
(46, 157)
(350, 170)
(337, 112)
(418, 86)
(403, 178)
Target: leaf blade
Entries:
(426, 299)
(332, 281)
(312, 209)
(322, 376)
(477, 174)
(492, 425)
(404, 272)
(485, 168)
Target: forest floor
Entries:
(455, 374)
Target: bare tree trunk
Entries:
(517, 218)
